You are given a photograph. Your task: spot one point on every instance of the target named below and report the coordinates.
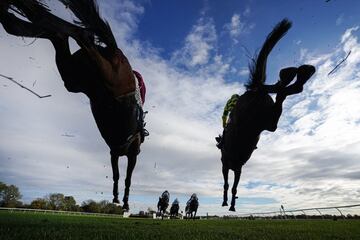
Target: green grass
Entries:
(52, 226)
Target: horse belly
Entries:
(115, 122)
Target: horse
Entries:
(163, 203)
(174, 209)
(191, 207)
(99, 69)
(255, 110)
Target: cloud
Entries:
(237, 26)
(247, 11)
(339, 20)
(199, 44)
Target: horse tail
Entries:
(87, 11)
(258, 65)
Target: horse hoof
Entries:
(224, 204)
(232, 208)
(116, 201)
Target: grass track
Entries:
(47, 226)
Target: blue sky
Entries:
(165, 24)
(191, 54)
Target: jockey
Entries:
(176, 202)
(230, 104)
(140, 96)
(193, 197)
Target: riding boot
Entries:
(143, 131)
(220, 140)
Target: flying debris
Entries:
(67, 135)
(155, 165)
(11, 79)
(341, 62)
(107, 176)
(34, 83)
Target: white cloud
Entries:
(199, 44)
(244, 72)
(247, 11)
(238, 26)
(339, 20)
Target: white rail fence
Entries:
(291, 213)
(60, 212)
(282, 213)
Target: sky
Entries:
(193, 56)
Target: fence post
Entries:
(320, 213)
(340, 213)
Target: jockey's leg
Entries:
(143, 132)
(220, 140)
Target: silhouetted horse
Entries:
(191, 207)
(163, 203)
(255, 111)
(99, 69)
(174, 209)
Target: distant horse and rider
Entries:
(191, 207)
(174, 209)
(246, 116)
(163, 203)
(99, 69)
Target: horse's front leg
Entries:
(234, 190)
(116, 176)
(225, 172)
(129, 171)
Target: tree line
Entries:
(10, 197)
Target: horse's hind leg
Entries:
(116, 176)
(234, 190)
(225, 172)
(18, 27)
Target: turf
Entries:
(53, 226)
